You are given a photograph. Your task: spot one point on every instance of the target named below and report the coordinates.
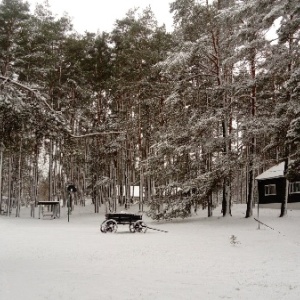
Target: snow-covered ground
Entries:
(197, 259)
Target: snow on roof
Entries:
(274, 172)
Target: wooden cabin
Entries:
(271, 189)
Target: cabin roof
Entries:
(273, 172)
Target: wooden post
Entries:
(69, 204)
(50, 170)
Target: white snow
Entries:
(196, 259)
(273, 172)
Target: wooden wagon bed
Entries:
(135, 222)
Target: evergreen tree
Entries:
(201, 99)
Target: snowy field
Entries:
(196, 259)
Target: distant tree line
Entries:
(190, 116)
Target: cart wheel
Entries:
(131, 227)
(109, 226)
(103, 227)
(140, 226)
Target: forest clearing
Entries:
(199, 257)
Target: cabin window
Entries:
(295, 187)
(270, 189)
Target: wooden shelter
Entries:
(271, 188)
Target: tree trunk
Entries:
(209, 205)
(226, 201)
(1, 168)
(209, 200)
(250, 201)
(9, 203)
(287, 149)
(283, 211)
(36, 175)
(141, 203)
(18, 207)
(249, 211)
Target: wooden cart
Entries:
(135, 222)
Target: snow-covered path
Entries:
(54, 259)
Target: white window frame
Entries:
(270, 190)
(294, 187)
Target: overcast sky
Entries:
(94, 15)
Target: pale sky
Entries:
(94, 15)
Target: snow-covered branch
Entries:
(39, 96)
(95, 134)
(24, 87)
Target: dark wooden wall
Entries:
(280, 191)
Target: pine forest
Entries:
(189, 117)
